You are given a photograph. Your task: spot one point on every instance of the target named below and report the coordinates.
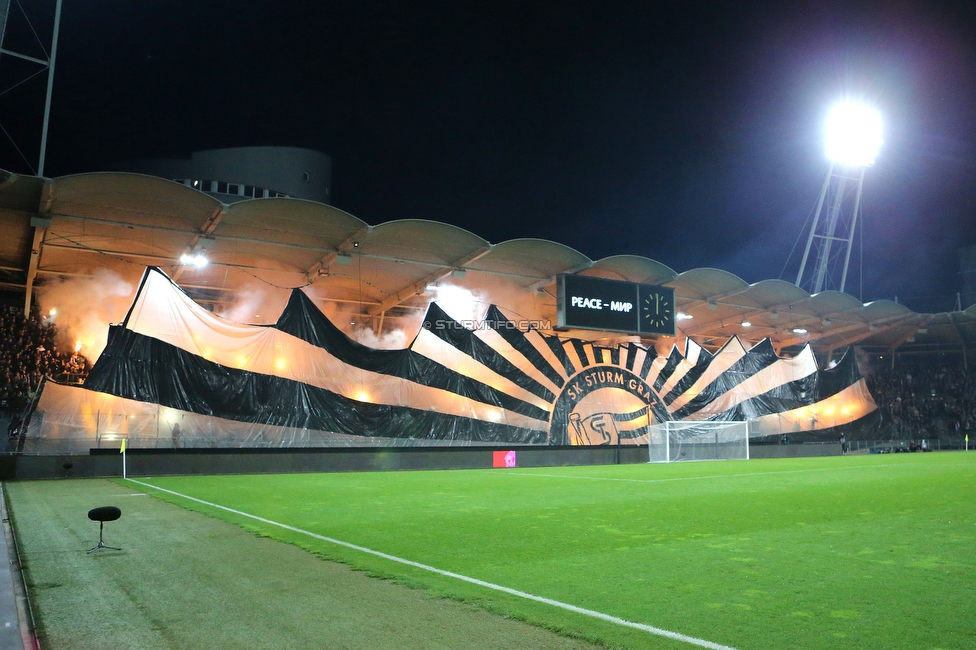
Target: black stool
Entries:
(101, 515)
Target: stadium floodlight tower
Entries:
(853, 142)
(8, 50)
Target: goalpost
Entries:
(682, 440)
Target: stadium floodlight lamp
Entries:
(197, 260)
(853, 134)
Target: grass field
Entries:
(840, 552)
(185, 581)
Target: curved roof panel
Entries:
(121, 221)
(880, 309)
(398, 260)
(128, 198)
(421, 241)
(290, 232)
(532, 260)
(117, 219)
(632, 268)
(828, 303)
(768, 294)
(288, 220)
(707, 284)
(19, 197)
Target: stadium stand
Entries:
(376, 282)
(926, 400)
(29, 352)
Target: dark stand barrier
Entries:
(163, 462)
(173, 462)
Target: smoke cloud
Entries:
(83, 308)
(255, 304)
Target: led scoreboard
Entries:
(584, 302)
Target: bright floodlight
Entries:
(197, 260)
(853, 134)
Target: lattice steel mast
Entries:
(853, 141)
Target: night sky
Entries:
(687, 132)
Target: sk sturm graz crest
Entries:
(604, 404)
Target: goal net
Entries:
(674, 441)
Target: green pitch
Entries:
(856, 551)
(840, 552)
(185, 581)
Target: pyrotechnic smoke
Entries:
(470, 298)
(464, 301)
(461, 303)
(83, 308)
(394, 340)
(255, 304)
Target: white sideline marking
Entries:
(481, 583)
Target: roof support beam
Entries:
(904, 338)
(962, 339)
(419, 286)
(40, 224)
(696, 328)
(712, 299)
(35, 258)
(313, 272)
(206, 230)
(861, 331)
(249, 240)
(542, 284)
(156, 259)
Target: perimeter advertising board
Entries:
(584, 302)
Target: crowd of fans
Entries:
(926, 400)
(29, 352)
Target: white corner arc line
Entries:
(481, 583)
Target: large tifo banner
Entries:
(175, 375)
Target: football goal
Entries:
(681, 440)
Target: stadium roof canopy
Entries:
(74, 225)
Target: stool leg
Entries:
(101, 543)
